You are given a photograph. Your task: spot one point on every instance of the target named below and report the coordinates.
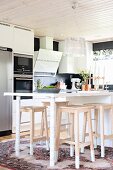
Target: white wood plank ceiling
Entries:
(91, 19)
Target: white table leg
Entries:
(102, 131)
(17, 141)
(53, 153)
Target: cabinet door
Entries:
(23, 41)
(6, 36)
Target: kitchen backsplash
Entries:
(66, 78)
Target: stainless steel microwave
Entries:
(23, 64)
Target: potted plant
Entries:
(84, 76)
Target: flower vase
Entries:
(86, 87)
(83, 87)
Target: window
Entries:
(103, 66)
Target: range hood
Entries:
(46, 60)
(73, 55)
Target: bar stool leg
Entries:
(31, 131)
(42, 125)
(71, 133)
(111, 116)
(20, 116)
(102, 130)
(91, 136)
(76, 130)
(84, 130)
(46, 128)
(95, 127)
(68, 126)
(58, 127)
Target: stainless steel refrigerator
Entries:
(5, 86)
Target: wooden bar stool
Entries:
(32, 110)
(59, 104)
(74, 140)
(99, 110)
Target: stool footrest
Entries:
(94, 134)
(25, 136)
(108, 136)
(82, 144)
(25, 122)
(64, 124)
(68, 142)
(64, 140)
(35, 139)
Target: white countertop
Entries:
(61, 94)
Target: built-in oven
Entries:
(23, 74)
(23, 84)
(23, 64)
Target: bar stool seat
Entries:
(74, 111)
(99, 112)
(58, 103)
(32, 110)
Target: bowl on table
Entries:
(48, 90)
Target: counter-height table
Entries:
(75, 97)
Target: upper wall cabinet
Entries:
(6, 36)
(23, 41)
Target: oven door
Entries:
(23, 85)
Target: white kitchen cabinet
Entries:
(23, 41)
(71, 64)
(6, 36)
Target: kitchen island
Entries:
(79, 97)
